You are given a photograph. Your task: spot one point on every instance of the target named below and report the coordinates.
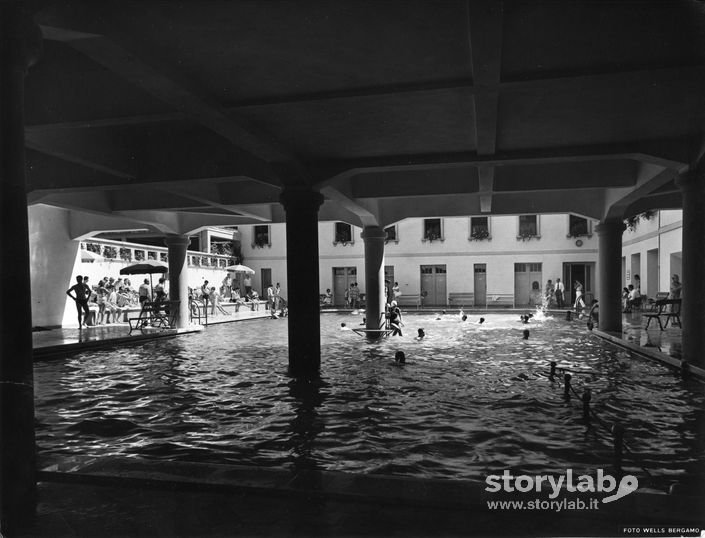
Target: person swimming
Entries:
(421, 334)
(526, 334)
(464, 317)
(400, 357)
(482, 320)
(395, 321)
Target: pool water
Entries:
(471, 400)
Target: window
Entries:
(343, 233)
(390, 234)
(432, 230)
(528, 227)
(578, 226)
(260, 234)
(479, 228)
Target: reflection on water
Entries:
(471, 399)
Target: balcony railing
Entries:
(119, 251)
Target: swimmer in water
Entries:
(464, 317)
(421, 334)
(395, 321)
(400, 357)
(526, 317)
(482, 320)
(526, 334)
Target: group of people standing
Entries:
(555, 293)
(109, 298)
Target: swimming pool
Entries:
(471, 400)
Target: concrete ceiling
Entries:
(204, 111)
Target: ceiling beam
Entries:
(485, 40)
(521, 82)
(356, 207)
(125, 64)
(668, 153)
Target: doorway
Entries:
(582, 272)
(480, 285)
(652, 273)
(527, 283)
(636, 271)
(266, 281)
(342, 278)
(433, 285)
(389, 277)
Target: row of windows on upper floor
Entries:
(528, 227)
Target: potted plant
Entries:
(478, 234)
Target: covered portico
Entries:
(208, 113)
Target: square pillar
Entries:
(693, 278)
(20, 42)
(374, 237)
(609, 274)
(178, 271)
(301, 206)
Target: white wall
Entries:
(457, 252)
(662, 233)
(55, 261)
(52, 258)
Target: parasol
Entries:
(240, 269)
(143, 268)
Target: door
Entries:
(652, 274)
(480, 287)
(342, 278)
(266, 275)
(527, 284)
(433, 284)
(389, 277)
(574, 272)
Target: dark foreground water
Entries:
(471, 400)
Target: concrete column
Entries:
(178, 272)
(374, 236)
(301, 207)
(17, 447)
(609, 274)
(692, 313)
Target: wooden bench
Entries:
(461, 299)
(667, 308)
(410, 300)
(501, 300)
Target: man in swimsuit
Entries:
(81, 294)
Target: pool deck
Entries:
(133, 497)
(58, 342)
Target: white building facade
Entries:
(482, 260)
(653, 250)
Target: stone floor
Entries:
(58, 341)
(130, 497)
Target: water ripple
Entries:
(472, 399)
